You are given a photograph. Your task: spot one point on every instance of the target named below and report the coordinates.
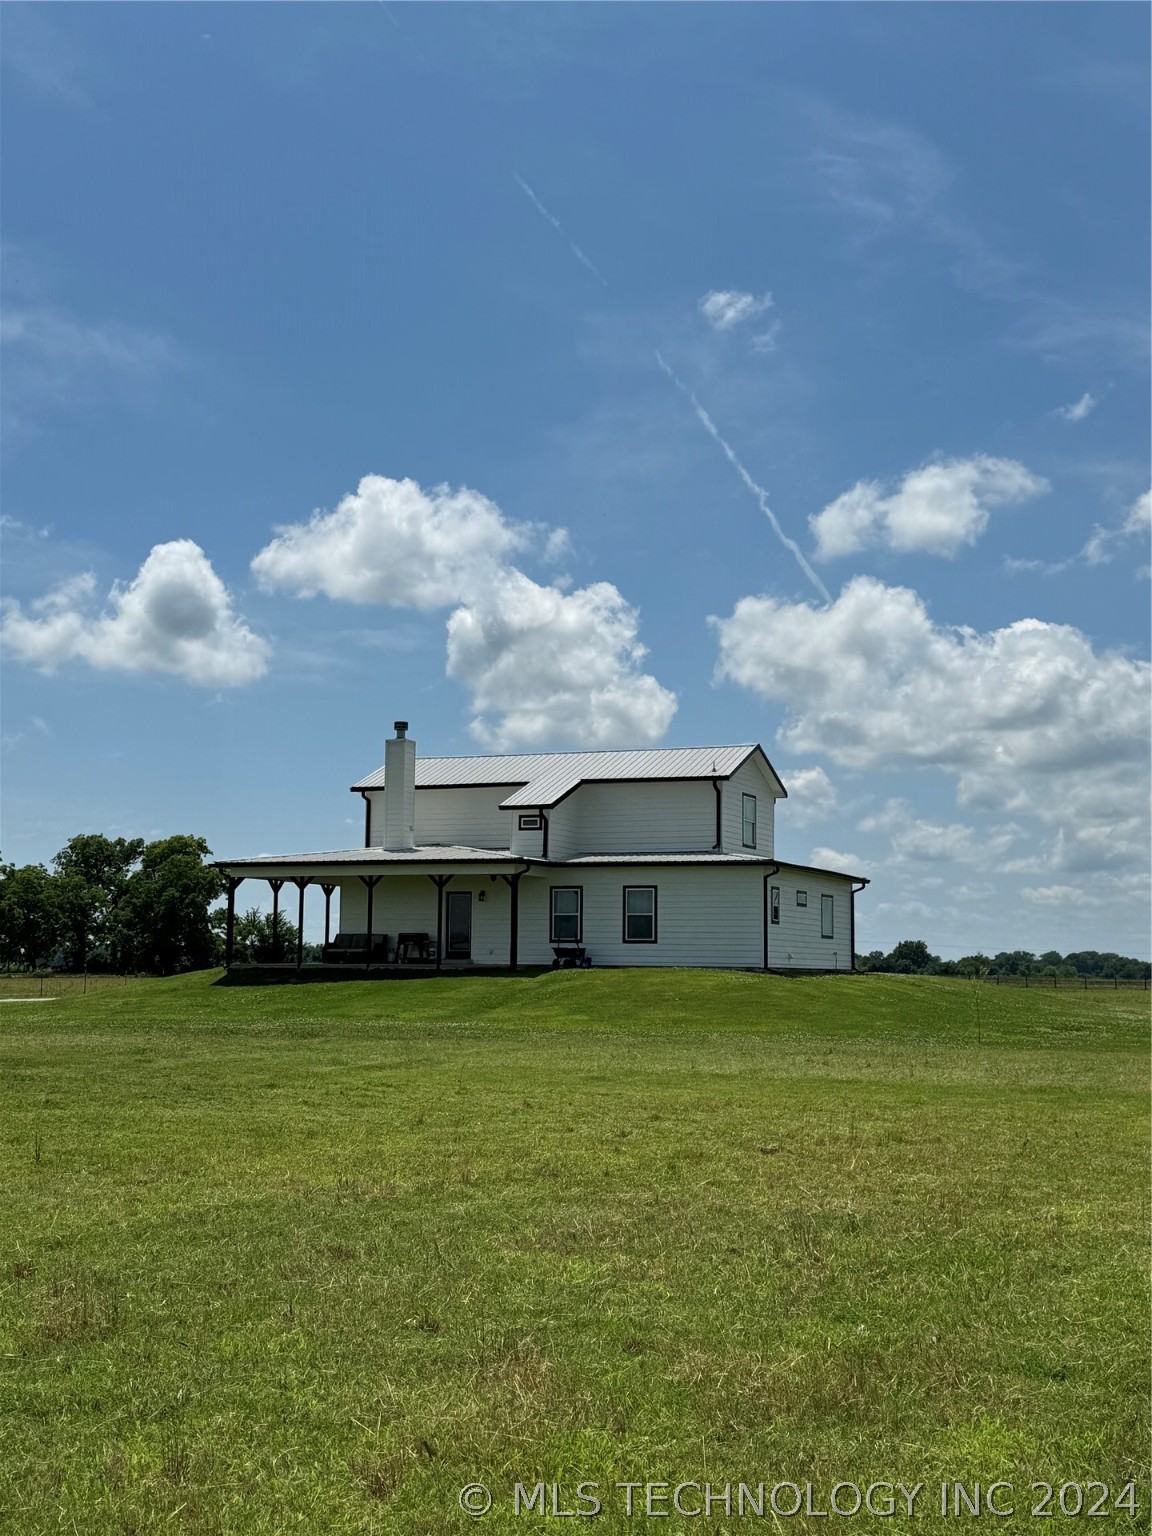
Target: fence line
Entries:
(1080, 983)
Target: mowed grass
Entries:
(311, 1258)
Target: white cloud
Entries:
(1028, 718)
(52, 359)
(175, 616)
(390, 541)
(726, 308)
(1079, 409)
(1101, 548)
(1053, 895)
(846, 863)
(914, 838)
(935, 509)
(1015, 567)
(811, 795)
(546, 665)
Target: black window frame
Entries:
(625, 914)
(579, 889)
(801, 898)
(774, 903)
(827, 905)
(530, 823)
(744, 799)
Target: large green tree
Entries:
(92, 876)
(30, 918)
(162, 922)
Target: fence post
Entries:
(41, 986)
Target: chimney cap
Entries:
(400, 727)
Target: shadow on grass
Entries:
(311, 975)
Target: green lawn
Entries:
(310, 1258)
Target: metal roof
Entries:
(429, 854)
(544, 778)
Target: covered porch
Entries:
(430, 909)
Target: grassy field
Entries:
(312, 1258)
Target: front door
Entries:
(459, 925)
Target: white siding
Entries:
(407, 904)
(707, 916)
(796, 941)
(470, 817)
(749, 779)
(673, 817)
(564, 840)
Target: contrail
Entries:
(758, 491)
(702, 415)
(560, 230)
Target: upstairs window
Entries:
(801, 898)
(749, 821)
(639, 914)
(775, 903)
(826, 910)
(530, 823)
(567, 914)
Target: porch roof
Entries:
(429, 854)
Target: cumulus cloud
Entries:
(390, 541)
(1079, 409)
(1029, 718)
(811, 795)
(546, 665)
(935, 510)
(175, 616)
(829, 858)
(726, 308)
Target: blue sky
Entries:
(584, 375)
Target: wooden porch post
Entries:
(300, 882)
(276, 884)
(327, 887)
(234, 883)
(513, 884)
(370, 882)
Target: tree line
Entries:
(911, 957)
(121, 904)
(126, 905)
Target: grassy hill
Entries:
(312, 1258)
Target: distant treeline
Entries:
(114, 904)
(911, 957)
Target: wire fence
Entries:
(15, 985)
(1080, 983)
(26, 985)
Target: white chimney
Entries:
(400, 790)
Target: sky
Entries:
(574, 375)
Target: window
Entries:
(567, 914)
(749, 802)
(530, 823)
(775, 903)
(639, 914)
(826, 918)
(801, 898)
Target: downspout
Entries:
(544, 833)
(719, 843)
(769, 874)
(367, 819)
(856, 889)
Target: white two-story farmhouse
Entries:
(660, 857)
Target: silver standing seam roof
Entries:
(545, 778)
